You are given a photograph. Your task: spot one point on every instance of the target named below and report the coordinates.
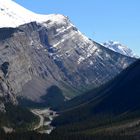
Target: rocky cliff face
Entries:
(6, 92)
(35, 56)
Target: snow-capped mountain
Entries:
(118, 47)
(49, 50)
(13, 15)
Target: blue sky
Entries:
(101, 20)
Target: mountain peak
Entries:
(120, 48)
(13, 15)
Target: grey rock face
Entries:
(41, 55)
(6, 92)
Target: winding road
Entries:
(41, 122)
(42, 113)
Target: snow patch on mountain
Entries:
(13, 15)
(118, 47)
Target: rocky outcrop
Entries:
(35, 56)
(6, 92)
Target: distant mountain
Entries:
(118, 47)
